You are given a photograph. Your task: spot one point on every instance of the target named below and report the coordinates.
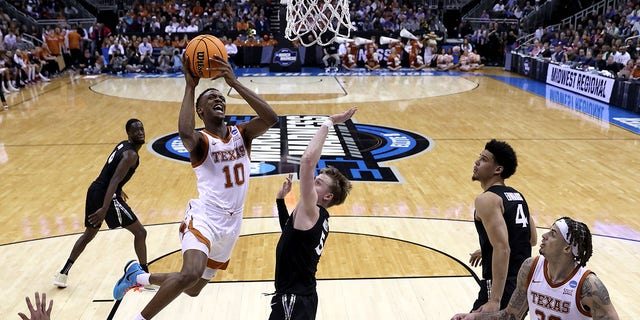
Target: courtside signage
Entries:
(585, 83)
(285, 57)
(357, 150)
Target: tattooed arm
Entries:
(595, 296)
(517, 304)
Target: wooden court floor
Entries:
(399, 245)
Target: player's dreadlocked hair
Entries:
(580, 236)
(504, 156)
(340, 188)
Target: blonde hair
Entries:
(341, 186)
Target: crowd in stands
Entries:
(512, 9)
(150, 36)
(598, 42)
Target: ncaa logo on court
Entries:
(357, 150)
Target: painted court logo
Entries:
(355, 149)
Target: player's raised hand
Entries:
(224, 67)
(40, 312)
(286, 187)
(342, 117)
(191, 80)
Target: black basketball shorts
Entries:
(119, 213)
(293, 307)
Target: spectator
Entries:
(539, 33)
(192, 27)
(262, 25)
(635, 72)
(154, 25)
(534, 49)
(116, 47)
(177, 60)
(182, 43)
(622, 56)
(330, 59)
(498, 10)
(589, 61)
(581, 57)
(182, 27)
(625, 72)
(232, 50)
(118, 62)
(546, 52)
(164, 62)
(71, 12)
(97, 36)
(172, 27)
(87, 63)
(100, 62)
(612, 66)
(9, 41)
(145, 47)
(134, 62)
(197, 10)
(559, 55)
(148, 63)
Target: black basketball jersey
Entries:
(298, 253)
(516, 217)
(110, 166)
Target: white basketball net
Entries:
(323, 20)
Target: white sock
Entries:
(139, 317)
(143, 279)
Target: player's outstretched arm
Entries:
(283, 213)
(596, 296)
(266, 118)
(308, 162)
(186, 119)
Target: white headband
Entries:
(564, 230)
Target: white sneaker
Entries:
(60, 280)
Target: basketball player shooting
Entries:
(219, 156)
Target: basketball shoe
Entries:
(60, 280)
(128, 281)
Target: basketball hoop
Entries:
(317, 21)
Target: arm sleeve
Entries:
(283, 214)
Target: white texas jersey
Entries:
(223, 174)
(555, 301)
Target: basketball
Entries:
(199, 50)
